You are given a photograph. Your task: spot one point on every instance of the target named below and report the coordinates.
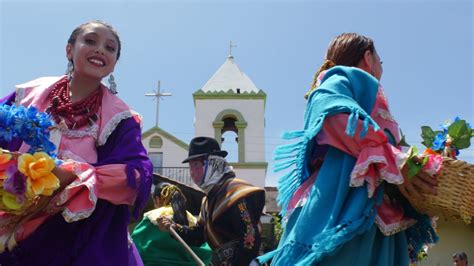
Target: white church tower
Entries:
(230, 108)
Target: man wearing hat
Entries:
(230, 214)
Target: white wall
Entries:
(253, 176)
(253, 113)
(454, 237)
(173, 154)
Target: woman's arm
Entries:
(122, 174)
(377, 159)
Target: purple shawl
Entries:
(102, 238)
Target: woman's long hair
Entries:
(171, 195)
(346, 49)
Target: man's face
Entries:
(196, 167)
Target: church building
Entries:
(229, 108)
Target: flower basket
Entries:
(455, 198)
(455, 191)
(24, 178)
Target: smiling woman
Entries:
(105, 170)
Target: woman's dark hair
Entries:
(460, 256)
(169, 194)
(80, 28)
(346, 49)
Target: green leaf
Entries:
(413, 168)
(425, 160)
(414, 151)
(457, 128)
(403, 141)
(460, 134)
(462, 142)
(428, 135)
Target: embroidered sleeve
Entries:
(245, 224)
(377, 160)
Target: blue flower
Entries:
(439, 142)
(27, 124)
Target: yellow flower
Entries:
(37, 168)
(44, 185)
(24, 162)
(9, 200)
(42, 166)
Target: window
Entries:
(156, 142)
(157, 161)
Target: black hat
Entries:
(202, 146)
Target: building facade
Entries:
(229, 102)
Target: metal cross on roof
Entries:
(158, 94)
(230, 49)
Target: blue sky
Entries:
(426, 47)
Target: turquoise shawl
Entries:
(334, 213)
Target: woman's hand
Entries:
(65, 178)
(412, 188)
(164, 224)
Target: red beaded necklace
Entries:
(75, 115)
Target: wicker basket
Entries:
(455, 198)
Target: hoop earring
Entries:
(69, 70)
(112, 85)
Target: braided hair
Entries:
(171, 195)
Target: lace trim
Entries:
(68, 215)
(358, 176)
(92, 131)
(69, 155)
(401, 158)
(71, 217)
(391, 229)
(20, 94)
(112, 124)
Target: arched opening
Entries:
(230, 139)
(229, 128)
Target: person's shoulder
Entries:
(39, 82)
(26, 92)
(114, 111)
(241, 183)
(154, 214)
(115, 107)
(236, 189)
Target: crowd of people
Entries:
(345, 203)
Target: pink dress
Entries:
(78, 149)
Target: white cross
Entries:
(158, 94)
